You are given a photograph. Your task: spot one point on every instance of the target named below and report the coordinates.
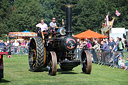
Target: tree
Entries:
(18, 15)
(48, 7)
(5, 11)
(26, 15)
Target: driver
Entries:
(42, 25)
(53, 24)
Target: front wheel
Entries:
(52, 65)
(86, 62)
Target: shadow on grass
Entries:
(85, 73)
(58, 70)
(44, 69)
(65, 72)
(4, 81)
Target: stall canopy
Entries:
(22, 34)
(89, 34)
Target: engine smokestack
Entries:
(68, 19)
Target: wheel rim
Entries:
(52, 66)
(45, 64)
(86, 62)
(32, 57)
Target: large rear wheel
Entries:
(37, 54)
(86, 62)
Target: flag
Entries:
(107, 20)
(112, 21)
(117, 13)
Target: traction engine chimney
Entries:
(68, 20)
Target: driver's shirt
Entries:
(53, 24)
(42, 26)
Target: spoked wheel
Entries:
(86, 62)
(52, 65)
(36, 54)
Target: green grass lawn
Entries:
(16, 73)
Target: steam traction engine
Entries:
(50, 48)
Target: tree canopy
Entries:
(19, 15)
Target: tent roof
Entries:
(22, 34)
(89, 34)
(26, 31)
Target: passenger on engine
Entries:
(42, 25)
(53, 24)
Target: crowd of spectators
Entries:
(105, 52)
(15, 46)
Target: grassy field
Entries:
(16, 73)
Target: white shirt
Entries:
(16, 44)
(42, 26)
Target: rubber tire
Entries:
(39, 47)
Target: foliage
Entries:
(18, 15)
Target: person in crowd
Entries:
(112, 46)
(93, 42)
(78, 43)
(117, 41)
(6, 44)
(26, 47)
(84, 44)
(105, 52)
(23, 46)
(105, 46)
(11, 46)
(15, 44)
(81, 44)
(126, 44)
(53, 24)
(42, 25)
(106, 40)
(126, 60)
(8, 47)
(96, 47)
(89, 46)
(120, 45)
(121, 62)
(77, 51)
(126, 64)
(2, 46)
(20, 47)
